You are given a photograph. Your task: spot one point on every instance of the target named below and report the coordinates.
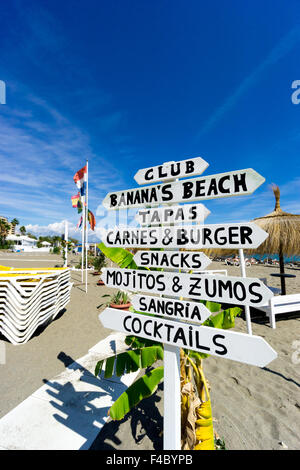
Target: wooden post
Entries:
(247, 308)
(172, 394)
(172, 398)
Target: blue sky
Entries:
(131, 84)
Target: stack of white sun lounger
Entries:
(31, 298)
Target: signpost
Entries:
(232, 183)
(172, 259)
(171, 170)
(247, 235)
(176, 321)
(170, 308)
(227, 344)
(226, 289)
(172, 215)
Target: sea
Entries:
(287, 259)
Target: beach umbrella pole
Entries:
(281, 267)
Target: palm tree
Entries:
(4, 229)
(56, 240)
(22, 230)
(15, 222)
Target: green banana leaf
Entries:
(130, 361)
(142, 388)
(224, 319)
(136, 342)
(123, 258)
(212, 306)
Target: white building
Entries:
(27, 244)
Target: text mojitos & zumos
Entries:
(249, 291)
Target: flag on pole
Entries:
(78, 226)
(75, 199)
(80, 180)
(79, 206)
(92, 220)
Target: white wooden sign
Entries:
(232, 183)
(225, 289)
(170, 308)
(240, 347)
(172, 215)
(172, 259)
(176, 333)
(171, 170)
(247, 235)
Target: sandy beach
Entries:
(254, 408)
(55, 346)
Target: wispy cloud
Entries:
(283, 47)
(40, 151)
(58, 228)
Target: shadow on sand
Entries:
(141, 427)
(83, 402)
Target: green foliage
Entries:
(135, 342)
(4, 229)
(65, 244)
(30, 235)
(220, 444)
(213, 307)
(119, 298)
(56, 250)
(142, 388)
(130, 361)
(123, 258)
(225, 319)
(99, 262)
(45, 239)
(6, 244)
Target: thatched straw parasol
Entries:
(284, 234)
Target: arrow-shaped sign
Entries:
(170, 308)
(248, 235)
(233, 183)
(172, 259)
(225, 289)
(172, 215)
(240, 347)
(171, 170)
